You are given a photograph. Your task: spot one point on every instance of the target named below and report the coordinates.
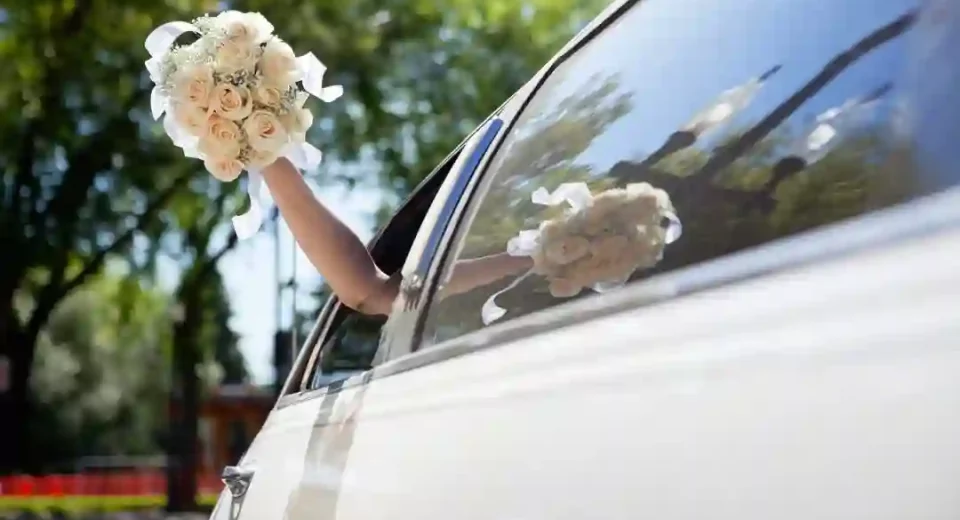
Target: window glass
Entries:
(748, 120)
(349, 350)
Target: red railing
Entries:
(127, 483)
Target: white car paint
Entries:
(830, 391)
(826, 391)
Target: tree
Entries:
(87, 174)
(94, 381)
(226, 354)
(74, 188)
(198, 213)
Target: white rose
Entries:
(224, 169)
(265, 132)
(564, 250)
(540, 264)
(297, 122)
(564, 288)
(278, 63)
(191, 117)
(610, 246)
(235, 55)
(553, 229)
(268, 96)
(601, 221)
(247, 27)
(645, 256)
(231, 101)
(261, 159)
(597, 268)
(646, 202)
(192, 85)
(611, 198)
(222, 138)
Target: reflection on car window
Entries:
(690, 130)
(349, 350)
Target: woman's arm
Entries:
(331, 246)
(477, 272)
(344, 261)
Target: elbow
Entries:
(372, 305)
(376, 301)
(355, 304)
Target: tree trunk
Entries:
(184, 420)
(18, 348)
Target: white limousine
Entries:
(741, 223)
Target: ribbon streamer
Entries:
(490, 311)
(311, 71)
(576, 194)
(158, 44)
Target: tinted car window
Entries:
(757, 120)
(348, 350)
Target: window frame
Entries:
(479, 182)
(296, 387)
(915, 219)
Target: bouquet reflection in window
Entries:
(598, 242)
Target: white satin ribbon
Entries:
(490, 311)
(247, 224)
(576, 194)
(311, 71)
(158, 44)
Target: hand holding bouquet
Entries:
(235, 97)
(598, 242)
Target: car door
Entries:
(292, 469)
(792, 355)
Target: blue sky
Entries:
(681, 39)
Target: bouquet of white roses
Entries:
(598, 242)
(235, 96)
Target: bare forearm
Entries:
(476, 272)
(336, 252)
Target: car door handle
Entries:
(236, 479)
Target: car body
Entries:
(793, 355)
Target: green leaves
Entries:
(96, 372)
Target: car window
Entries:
(690, 130)
(349, 349)
(347, 341)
